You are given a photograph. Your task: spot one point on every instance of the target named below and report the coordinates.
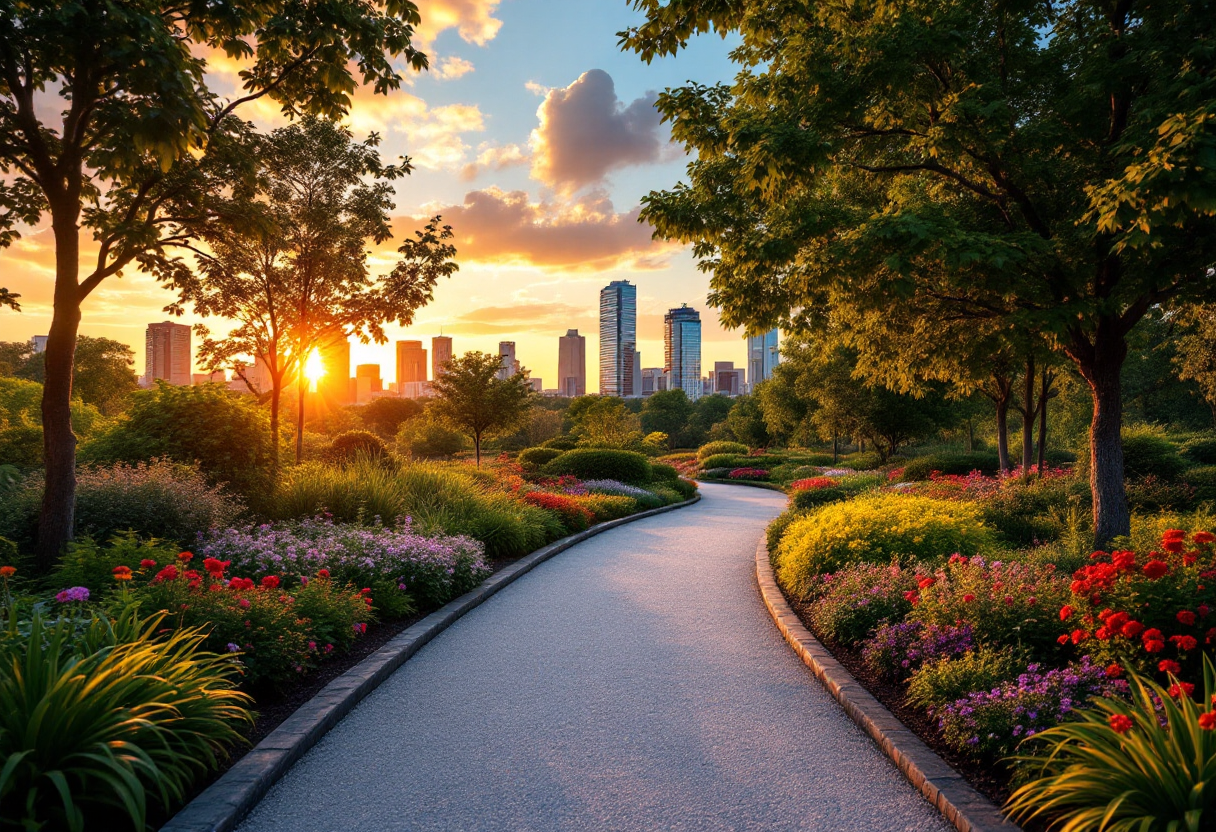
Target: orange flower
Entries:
(1120, 723)
(122, 573)
(7, 571)
(1207, 720)
(185, 557)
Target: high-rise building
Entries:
(727, 379)
(508, 364)
(335, 386)
(537, 385)
(682, 348)
(618, 337)
(572, 364)
(168, 353)
(441, 354)
(39, 343)
(635, 376)
(204, 378)
(367, 382)
(762, 357)
(411, 363)
(654, 379)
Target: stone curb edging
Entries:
(224, 803)
(941, 785)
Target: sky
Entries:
(535, 138)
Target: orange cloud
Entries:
(494, 157)
(451, 67)
(472, 19)
(506, 228)
(585, 131)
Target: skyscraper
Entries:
(727, 379)
(168, 353)
(618, 337)
(411, 363)
(367, 381)
(441, 354)
(572, 364)
(762, 357)
(508, 364)
(682, 348)
(334, 388)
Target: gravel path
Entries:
(634, 682)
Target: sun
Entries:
(314, 368)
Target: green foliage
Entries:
(851, 603)
(226, 433)
(126, 720)
(160, 499)
(1147, 451)
(1201, 450)
(776, 530)
(962, 464)
(353, 444)
(1153, 776)
(535, 458)
(624, 466)
(667, 411)
(661, 472)
(745, 421)
(428, 438)
(91, 564)
(878, 529)
(101, 371)
(687, 490)
(604, 507)
(386, 415)
(561, 443)
(1030, 512)
(470, 396)
(809, 498)
(715, 448)
(1203, 480)
(21, 422)
(942, 681)
(862, 461)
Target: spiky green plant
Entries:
(100, 721)
(1156, 773)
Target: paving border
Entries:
(941, 785)
(226, 801)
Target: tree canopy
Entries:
(470, 396)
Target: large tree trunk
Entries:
(1100, 364)
(58, 515)
(1044, 397)
(300, 383)
(1028, 411)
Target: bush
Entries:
(354, 444)
(754, 474)
(661, 472)
(91, 564)
(428, 438)
(534, 459)
(713, 448)
(727, 461)
(876, 529)
(921, 467)
(160, 499)
(776, 530)
(386, 415)
(125, 718)
(595, 463)
(809, 459)
(574, 515)
(1147, 452)
(939, 682)
(1201, 451)
(642, 497)
(898, 648)
(604, 507)
(865, 461)
(561, 443)
(1203, 481)
(1027, 513)
(809, 498)
(852, 602)
(686, 489)
(226, 433)
(1152, 494)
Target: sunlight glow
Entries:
(314, 368)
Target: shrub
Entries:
(685, 488)
(864, 461)
(876, 529)
(809, 498)
(355, 444)
(160, 499)
(596, 463)
(922, 466)
(776, 530)
(91, 564)
(125, 718)
(712, 448)
(1152, 494)
(660, 472)
(726, 461)
(428, 438)
(758, 474)
(939, 682)
(990, 723)
(809, 459)
(1027, 513)
(1147, 452)
(898, 648)
(643, 497)
(1203, 481)
(534, 459)
(1138, 762)
(850, 603)
(575, 516)
(605, 507)
(1201, 451)
(225, 432)
(561, 443)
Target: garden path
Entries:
(634, 682)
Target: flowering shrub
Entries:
(809, 498)
(748, 474)
(574, 515)
(991, 723)
(431, 569)
(850, 603)
(608, 507)
(895, 650)
(941, 681)
(645, 498)
(814, 482)
(90, 564)
(1152, 612)
(1002, 602)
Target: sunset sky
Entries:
(535, 138)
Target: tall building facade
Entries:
(727, 379)
(618, 338)
(508, 363)
(334, 388)
(762, 357)
(441, 354)
(682, 350)
(411, 363)
(572, 364)
(168, 355)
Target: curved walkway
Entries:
(634, 682)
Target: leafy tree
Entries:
(289, 262)
(1046, 166)
(101, 375)
(386, 415)
(667, 411)
(707, 412)
(1194, 351)
(606, 423)
(746, 422)
(470, 396)
(428, 436)
(141, 143)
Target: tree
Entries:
(470, 396)
(1046, 166)
(707, 412)
(606, 423)
(101, 374)
(1195, 350)
(386, 415)
(289, 262)
(746, 422)
(667, 411)
(428, 436)
(140, 141)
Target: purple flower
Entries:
(234, 648)
(72, 594)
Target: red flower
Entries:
(1132, 629)
(1102, 634)
(1185, 642)
(925, 583)
(1120, 723)
(1154, 646)
(169, 573)
(1186, 617)
(122, 573)
(1154, 569)
(215, 567)
(240, 584)
(1066, 612)
(270, 581)
(968, 598)
(1153, 635)
(1203, 537)
(1062, 639)
(1169, 666)
(322, 573)
(1181, 689)
(184, 557)
(1207, 720)
(1173, 545)
(1114, 670)
(147, 563)
(912, 596)
(1079, 636)
(1174, 534)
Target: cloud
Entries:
(494, 157)
(506, 228)
(585, 131)
(472, 19)
(451, 67)
(537, 89)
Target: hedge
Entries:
(714, 448)
(602, 464)
(534, 458)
